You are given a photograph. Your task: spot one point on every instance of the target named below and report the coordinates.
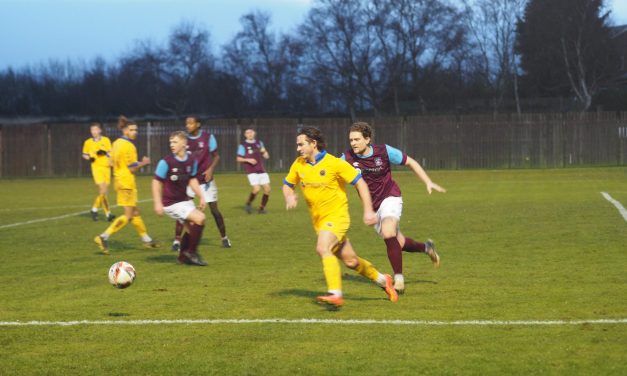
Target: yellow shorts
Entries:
(337, 225)
(126, 197)
(101, 175)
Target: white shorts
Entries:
(391, 207)
(259, 178)
(209, 191)
(181, 210)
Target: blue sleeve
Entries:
(241, 151)
(194, 169)
(356, 179)
(288, 183)
(343, 157)
(213, 144)
(162, 169)
(396, 156)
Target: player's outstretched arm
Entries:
(370, 217)
(157, 191)
(195, 186)
(290, 197)
(418, 170)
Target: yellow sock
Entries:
(332, 274)
(117, 225)
(97, 202)
(105, 204)
(140, 227)
(366, 269)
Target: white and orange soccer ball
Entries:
(122, 274)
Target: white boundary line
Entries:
(45, 208)
(57, 217)
(319, 321)
(618, 205)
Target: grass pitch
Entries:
(515, 245)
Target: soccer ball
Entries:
(121, 274)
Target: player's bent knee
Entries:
(351, 263)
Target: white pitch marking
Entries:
(53, 218)
(321, 321)
(45, 208)
(619, 206)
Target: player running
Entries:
(375, 164)
(251, 153)
(174, 174)
(204, 149)
(125, 166)
(323, 178)
(97, 149)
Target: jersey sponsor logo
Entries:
(323, 172)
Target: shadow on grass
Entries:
(360, 279)
(162, 258)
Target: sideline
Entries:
(617, 204)
(57, 217)
(320, 321)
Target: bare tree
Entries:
(492, 25)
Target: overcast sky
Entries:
(33, 31)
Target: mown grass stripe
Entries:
(321, 321)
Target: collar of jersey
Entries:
(366, 156)
(194, 137)
(318, 157)
(127, 139)
(181, 160)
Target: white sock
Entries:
(399, 277)
(336, 292)
(104, 235)
(146, 238)
(95, 210)
(381, 280)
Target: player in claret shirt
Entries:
(322, 178)
(175, 173)
(97, 149)
(204, 149)
(375, 164)
(251, 153)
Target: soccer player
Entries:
(251, 153)
(96, 149)
(204, 148)
(323, 178)
(125, 166)
(375, 164)
(174, 174)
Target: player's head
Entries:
(178, 142)
(309, 141)
(128, 127)
(192, 124)
(250, 134)
(360, 137)
(95, 129)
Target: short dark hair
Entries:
(314, 134)
(95, 124)
(124, 122)
(364, 128)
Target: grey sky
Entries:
(34, 31)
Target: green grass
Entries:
(515, 245)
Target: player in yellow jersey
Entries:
(323, 178)
(125, 166)
(97, 149)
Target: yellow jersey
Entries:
(323, 184)
(124, 156)
(91, 148)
